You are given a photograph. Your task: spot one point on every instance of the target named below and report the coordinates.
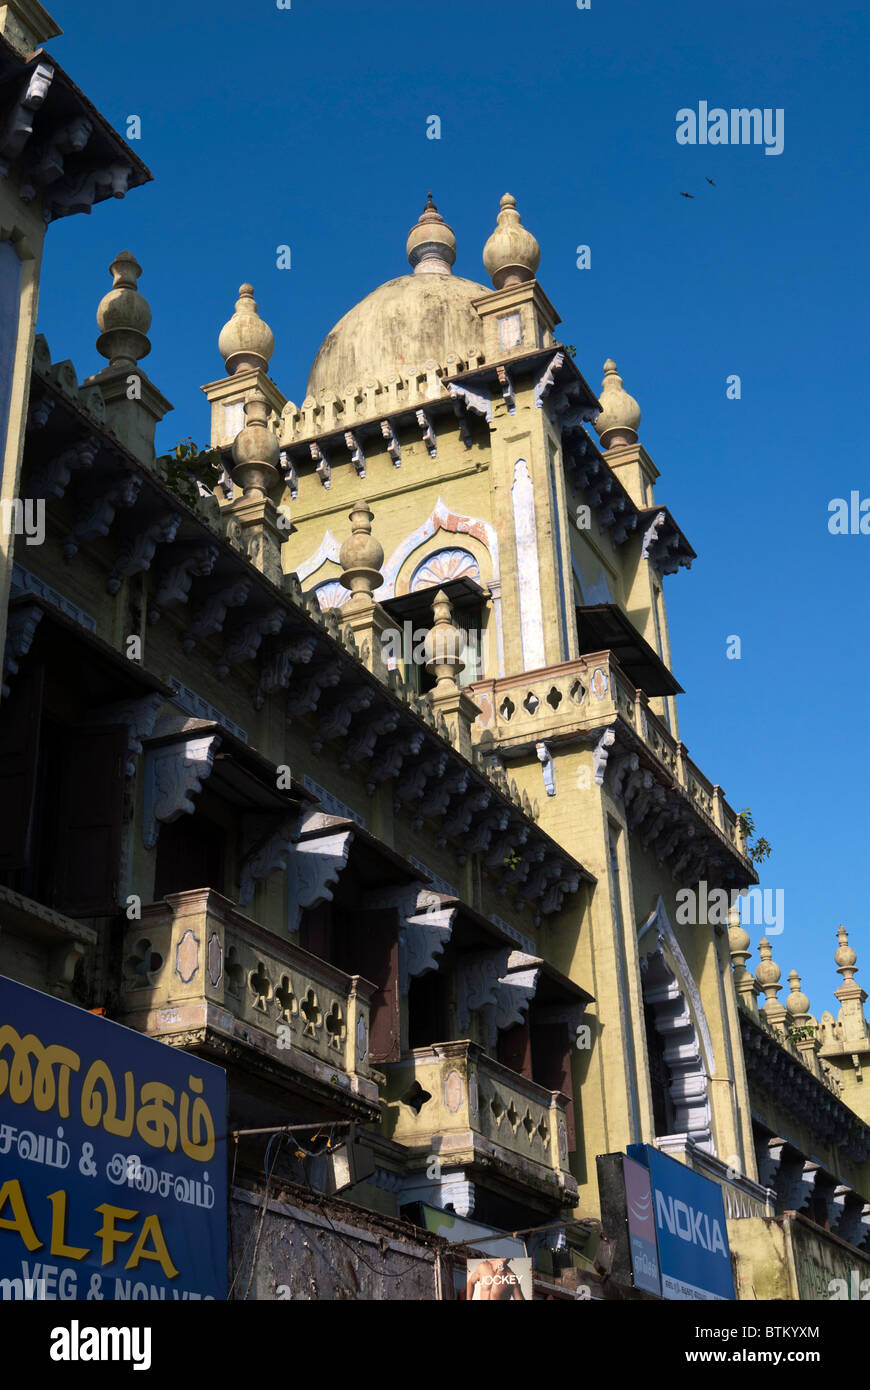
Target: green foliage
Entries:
(512, 860)
(187, 465)
(570, 349)
(762, 849)
(808, 1030)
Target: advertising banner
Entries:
(694, 1256)
(641, 1227)
(112, 1159)
(499, 1280)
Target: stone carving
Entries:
(288, 468)
(364, 736)
(46, 164)
(51, 478)
(214, 960)
(393, 447)
(323, 469)
(545, 758)
(442, 566)
(428, 433)
(18, 126)
(138, 552)
(138, 714)
(278, 666)
(335, 722)
(425, 927)
(472, 400)
(305, 696)
(176, 576)
(243, 642)
(23, 581)
(600, 755)
(357, 455)
(96, 511)
(507, 389)
(688, 1085)
(313, 865)
(545, 382)
(268, 854)
(187, 957)
(20, 632)
(210, 617)
(477, 980)
(651, 535)
(79, 192)
(174, 775)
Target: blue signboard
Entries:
(694, 1256)
(112, 1159)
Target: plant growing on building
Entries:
(762, 848)
(188, 465)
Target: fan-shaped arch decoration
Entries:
(331, 594)
(444, 565)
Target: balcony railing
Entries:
(450, 1099)
(196, 962)
(532, 705)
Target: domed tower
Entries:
(246, 344)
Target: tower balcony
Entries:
(198, 973)
(452, 1101)
(592, 701)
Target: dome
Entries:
(401, 324)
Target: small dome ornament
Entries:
(123, 315)
(767, 974)
(845, 957)
(256, 450)
(797, 1003)
(361, 556)
(431, 244)
(620, 413)
(511, 255)
(443, 644)
(245, 341)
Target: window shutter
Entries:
(90, 810)
(515, 1049)
(551, 1050)
(379, 962)
(20, 720)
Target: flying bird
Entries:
(687, 195)
(711, 181)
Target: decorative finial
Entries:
(620, 413)
(245, 340)
(797, 1003)
(845, 957)
(361, 556)
(256, 450)
(431, 244)
(442, 647)
(511, 255)
(123, 315)
(767, 975)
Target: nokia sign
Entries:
(691, 1234)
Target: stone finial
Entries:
(431, 244)
(767, 975)
(738, 945)
(620, 412)
(256, 450)
(442, 647)
(845, 957)
(851, 1019)
(797, 1003)
(123, 315)
(511, 255)
(245, 340)
(361, 556)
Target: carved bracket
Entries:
(174, 775)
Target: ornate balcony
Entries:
(450, 1099)
(594, 698)
(198, 973)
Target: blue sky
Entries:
(307, 127)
